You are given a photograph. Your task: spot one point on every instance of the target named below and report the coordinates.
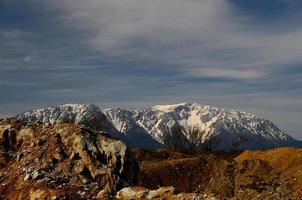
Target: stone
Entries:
(103, 195)
(37, 175)
(82, 193)
(166, 190)
(132, 193)
(83, 179)
(161, 193)
(27, 177)
(37, 194)
(60, 154)
(30, 169)
(152, 194)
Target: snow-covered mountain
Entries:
(86, 114)
(187, 126)
(201, 126)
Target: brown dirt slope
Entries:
(285, 161)
(272, 174)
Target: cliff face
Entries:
(44, 161)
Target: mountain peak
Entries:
(86, 114)
(77, 106)
(216, 128)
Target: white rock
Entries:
(27, 177)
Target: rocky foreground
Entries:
(68, 161)
(41, 161)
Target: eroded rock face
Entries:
(43, 160)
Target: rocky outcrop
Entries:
(44, 160)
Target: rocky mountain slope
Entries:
(43, 161)
(186, 126)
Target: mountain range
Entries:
(185, 126)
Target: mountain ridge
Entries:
(172, 126)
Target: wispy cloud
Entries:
(240, 74)
(174, 31)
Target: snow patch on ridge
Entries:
(167, 108)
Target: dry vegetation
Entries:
(285, 161)
(272, 174)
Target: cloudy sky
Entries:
(237, 54)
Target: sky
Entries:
(245, 55)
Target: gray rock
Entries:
(83, 179)
(54, 198)
(37, 175)
(30, 169)
(82, 193)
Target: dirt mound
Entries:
(42, 161)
